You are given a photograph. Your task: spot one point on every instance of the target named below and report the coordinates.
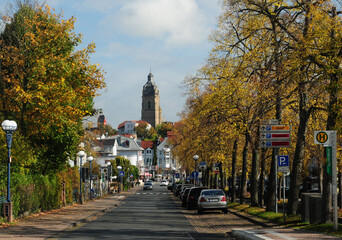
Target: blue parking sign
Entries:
(283, 161)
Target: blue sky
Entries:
(170, 37)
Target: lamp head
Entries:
(81, 154)
(119, 168)
(90, 159)
(196, 157)
(9, 125)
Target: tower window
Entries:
(149, 105)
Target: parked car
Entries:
(169, 185)
(178, 190)
(163, 183)
(184, 186)
(148, 186)
(212, 199)
(192, 198)
(185, 196)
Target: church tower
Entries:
(150, 108)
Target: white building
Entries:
(165, 159)
(118, 145)
(128, 127)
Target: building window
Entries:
(148, 151)
(149, 105)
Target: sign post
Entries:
(275, 136)
(283, 167)
(328, 140)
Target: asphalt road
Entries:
(149, 214)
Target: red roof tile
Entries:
(146, 144)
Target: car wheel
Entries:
(199, 211)
(225, 211)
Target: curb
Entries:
(244, 235)
(252, 219)
(92, 217)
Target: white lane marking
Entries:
(257, 235)
(281, 235)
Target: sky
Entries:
(132, 38)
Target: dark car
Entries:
(184, 186)
(177, 190)
(193, 196)
(185, 196)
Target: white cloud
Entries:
(174, 21)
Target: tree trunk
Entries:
(233, 185)
(221, 177)
(262, 178)
(255, 170)
(299, 152)
(243, 189)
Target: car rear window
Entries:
(148, 183)
(213, 192)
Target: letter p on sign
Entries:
(283, 161)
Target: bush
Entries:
(33, 192)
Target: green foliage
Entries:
(163, 129)
(144, 132)
(34, 193)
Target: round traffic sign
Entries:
(322, 137)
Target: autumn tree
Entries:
(46, 85)
(144, 132)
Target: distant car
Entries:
(212, 199)
(150, 181)
(148, 186)
(163, 183)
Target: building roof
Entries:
(137, 122)
(150, 88)
(121, 141)
(146, 144)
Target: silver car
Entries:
(212, 199)
(148, 186)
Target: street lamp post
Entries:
(119, 169)
(90, 159)
(81, 154)
(173, 177)
(108, 174)
(128, 179)
(9, 128)
(195, 157)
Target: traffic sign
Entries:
(273, 144)
(274, 128)
(194, 174)
(322, 137)
(275, 135)
(270, 122)
(122, 173)
(283, 163)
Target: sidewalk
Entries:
(50, 224)
(273, 231)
